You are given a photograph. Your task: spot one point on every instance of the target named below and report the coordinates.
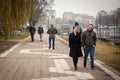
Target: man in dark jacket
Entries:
(32, 32)
(89, 43)
(40, 32)
(52, 31)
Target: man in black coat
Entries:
(32, 32)
(75, 46)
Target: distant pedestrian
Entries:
(89, 43)
(79, 28)
(32, 31)
(40, 32)
(75, 46)
(52, 31)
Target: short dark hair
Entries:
(76, 24)
(51, 25)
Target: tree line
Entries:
(13, 14)
(108, 23)
(108, 19)
(16, 13)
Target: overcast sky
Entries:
(90, 7)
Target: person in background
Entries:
(75, 46)
(52, 31)
(40, 32)
(32, 31)
(89, 43)
(79, 28)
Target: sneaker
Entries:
(40, 40)
(84, 66)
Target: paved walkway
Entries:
(34, 61)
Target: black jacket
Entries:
(32, 30)
(40, 30)
(75, 45)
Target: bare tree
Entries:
(40, 8)
(112, 19)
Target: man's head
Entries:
(76, 24)
(32, 24)
(51, 25)
(90, 27)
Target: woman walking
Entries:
(75, 46)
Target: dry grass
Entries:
(64, 37)
(109, 54)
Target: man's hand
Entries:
(84, 46)
(93, 45)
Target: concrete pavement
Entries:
(34, 61)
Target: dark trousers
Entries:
(32, 36)
(40, 37)
(75, 61)
(52, 41)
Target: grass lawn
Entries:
(109, 54)
(16, 36)
(19, 36)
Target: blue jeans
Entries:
(88, 50)
(52, 41)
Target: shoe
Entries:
(93, 68)
(84, 66)
(49, 47)
(40, 40)
(53, 48)
(75, 68)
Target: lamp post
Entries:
(100, 23)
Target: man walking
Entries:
(40, 32)
(89, 43)
(32, 31)
(52, 31)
